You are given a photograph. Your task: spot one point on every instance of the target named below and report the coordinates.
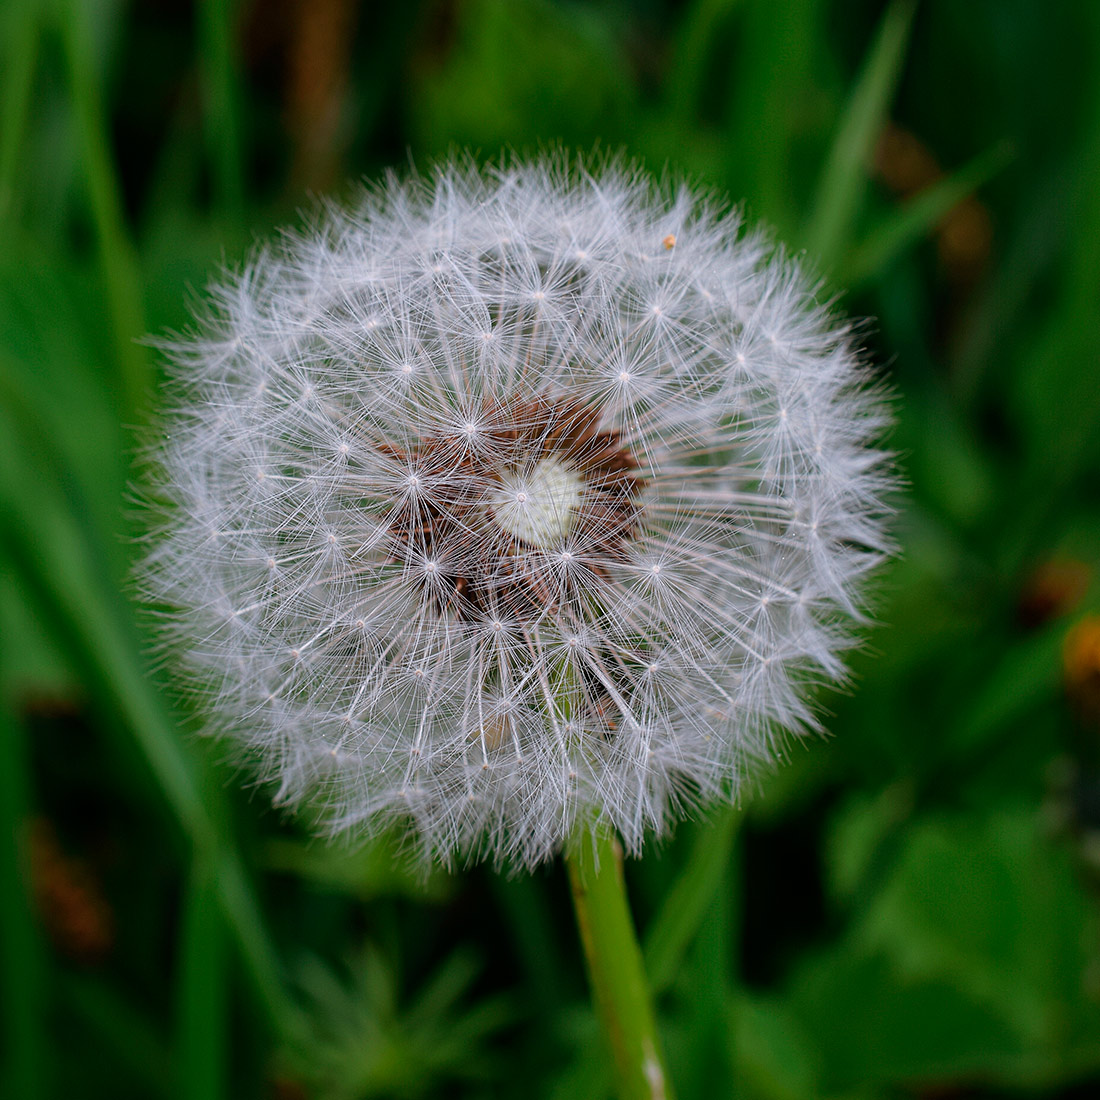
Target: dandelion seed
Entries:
(532, 590)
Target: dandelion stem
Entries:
(615, 969)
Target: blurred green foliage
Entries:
(907, 909)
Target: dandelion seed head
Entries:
(538, 508)
(514, 499)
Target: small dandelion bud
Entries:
(512, 499)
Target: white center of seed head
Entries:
(538, 507)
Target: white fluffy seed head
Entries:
(485, 510)
(538, 508)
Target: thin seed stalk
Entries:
(615, 969)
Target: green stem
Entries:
(615, 970)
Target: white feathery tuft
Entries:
(511, 500)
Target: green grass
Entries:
(907, 905)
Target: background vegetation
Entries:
(907, 909)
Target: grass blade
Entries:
(22, 30)
(53, 560)
(779, 48)
(221, 101)
(117, 259)
(779, 52)
(844, 177)
(84, 626)
(919, 216)
(200, 1050)
(686, 904)
(687, 68)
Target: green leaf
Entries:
(855, 834)
(1028, 676)
(775, 1059)
(872, 1027)
(991, 907)
(968, 961)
